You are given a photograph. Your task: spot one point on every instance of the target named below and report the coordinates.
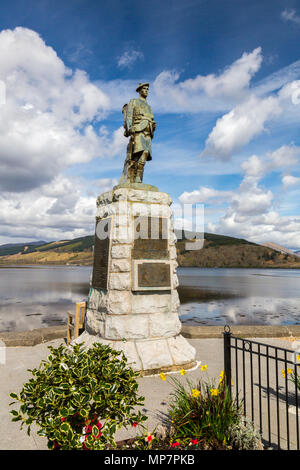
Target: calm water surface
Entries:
(40, 296)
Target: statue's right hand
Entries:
(132, 130)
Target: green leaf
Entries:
(65, 427)
(84, 413)
(64, 386)
(64, 412)
(84, 372)
(18, 418)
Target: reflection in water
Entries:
(239, 296)
(40, 296)
(247, 311)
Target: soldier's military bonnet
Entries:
(141, 85)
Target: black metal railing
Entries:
(265, 380)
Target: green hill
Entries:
(218, 251)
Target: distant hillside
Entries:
(218, 251)
(12, 248)
(227, 252)
(280, 248)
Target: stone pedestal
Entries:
(133, 301)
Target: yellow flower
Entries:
(222, 374)
(287, 371)
(162, 376)
(182, 372)
(207, 412)
(204, 367)
(195, 393)
(214, 392)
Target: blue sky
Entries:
(225, 91)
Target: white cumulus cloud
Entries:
(236, 128)
(289, 180)
(45, 124)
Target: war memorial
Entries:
(133, 301)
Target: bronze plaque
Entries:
(154, 275)
(101, 253)
(151, 238)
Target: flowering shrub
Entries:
(202, 413)
(79, 399)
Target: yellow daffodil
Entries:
(162, 376)
(182, 372)
(204, 367)
(195, 393)
(287, 371)
(214, 392)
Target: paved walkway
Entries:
(13, 374)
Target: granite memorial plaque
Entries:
(151, 275)
(151, 238)
(154, 275)
(101, 253)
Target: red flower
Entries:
(175, 444)
(56, 446)
(88, 429)
(134, 425)
(194, 442)
(63, 419)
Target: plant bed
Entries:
(79, 399)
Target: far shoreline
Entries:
(32, 266)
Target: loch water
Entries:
(39, 296)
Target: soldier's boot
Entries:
(132, 169)
(140, 172)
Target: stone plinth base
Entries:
(150, 356)
(133, 302)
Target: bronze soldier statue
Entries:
(139, 126)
